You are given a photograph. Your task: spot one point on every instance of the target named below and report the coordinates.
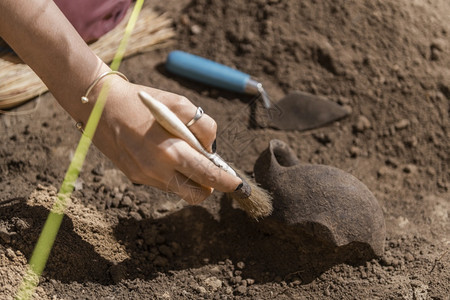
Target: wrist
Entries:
(105, 84)
(84, 102)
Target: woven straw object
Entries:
(18, 82)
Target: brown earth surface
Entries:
(386, 61)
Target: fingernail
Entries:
(214, 146)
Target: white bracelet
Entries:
(85, 98)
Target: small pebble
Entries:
(355, 151)
(416, 283)
(108, 202)
(362, 124)
(347, 108)
(396, 262)
(438, 44)
(184, 19)
(135, 215)
(214, 283)
(229, 290)
(322, 138)
(296, 282)
(390, 161)
(409, 257)
(402, 124)
(98, 170)
(201, 290)
(126, 201)
(431, 171)
(144, 210)
(241, 290)
(411, 141)
(5, 235)
(79, 183)
(123, 187)
(115, 202)
(195, 29)
(343, 100)
(236, 280)
(435, 54)
(383, 171)
(386, 260)
(10, 254)
(410, 168)
(240, 265)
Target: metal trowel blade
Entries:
(303, 111)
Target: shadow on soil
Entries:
(192, 238)
(189, 238)
(71, 259)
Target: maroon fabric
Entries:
(93, 18)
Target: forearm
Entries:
(41, 35)
(127, 132)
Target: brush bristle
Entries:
(258, 204)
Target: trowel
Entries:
(296, 111)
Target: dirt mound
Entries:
(386, 61)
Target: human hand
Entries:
(127, 132)
(129, 135)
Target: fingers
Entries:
(188, 190)
(204, 128)
(180, 167)
(176, 167)
(201, 170)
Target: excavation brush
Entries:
(253, 199)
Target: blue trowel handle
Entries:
(206, 71)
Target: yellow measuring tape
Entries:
(51, 227)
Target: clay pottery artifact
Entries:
(329, 203)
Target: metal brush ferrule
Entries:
(254, 87)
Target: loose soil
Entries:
(386, 61)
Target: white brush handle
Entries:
(167, 119)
